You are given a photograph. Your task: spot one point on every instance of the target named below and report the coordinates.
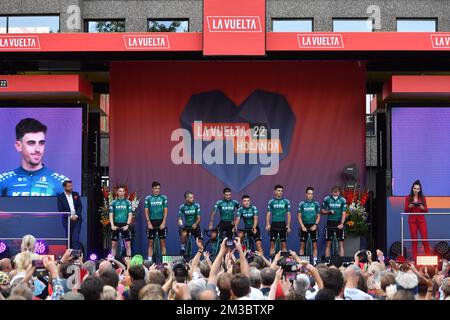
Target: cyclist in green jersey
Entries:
(334, 206)
(155, 207)
(192, 216)
(120, 215)
(280, 210)
(249, 214)
(226, 209)
(309, 218)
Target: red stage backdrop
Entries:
(319, 108)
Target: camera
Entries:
(284, 254)
(230, 243)
(75, 254)
(40, 270)
(180, 271)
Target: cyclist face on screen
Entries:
(246, 202)
(227, 196)
(121, 193)
(309, 195)
(31, 147)
(278, 193)
(190, 198)
(156, 190)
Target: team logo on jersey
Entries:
(43, 179)
(236, 144)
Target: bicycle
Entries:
(309, 247)
(189, 242)
(334, 242)
(248, 241)
(157, 248)
(213, 246)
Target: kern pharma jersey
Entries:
(248, 215)
(190, 213)
(278, 208)
(309, 211)
(155, 206)
(226, 209)
(23, 183)
(338, 205)
(120, 209)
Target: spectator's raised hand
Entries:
(238, 244)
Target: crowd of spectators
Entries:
(234, 274)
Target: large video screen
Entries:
(40, 147)
(421, 149)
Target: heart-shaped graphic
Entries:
(261, 108)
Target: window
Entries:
(93, 26)
(3, 24)
(169, 25)
(30, 24)
(352, 25)
(416, 25)
(292, 25)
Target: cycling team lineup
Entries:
(231, 212)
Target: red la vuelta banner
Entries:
(234, 27)
(19, 42)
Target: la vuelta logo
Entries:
(19, 43)
(145, 42)
(236, 144)
(439, 41)
(234, 24)
(320, 40)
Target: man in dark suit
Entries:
(70, 201)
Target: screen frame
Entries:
(61, 105)
(411, 105)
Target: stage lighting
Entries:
(93, 257)
(3, 247)
(40, 247)
(305, 258)
(172, 259)
(396, 250)
(441, 249)
(427, 260)
(109, 256)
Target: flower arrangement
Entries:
(108, 197)
(356, 221)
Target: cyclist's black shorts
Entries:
(255, 236)
(331, 228)
(126, 235)
(151, 233)
(225, 228)
(197, 233)
(304, 235)
(274, 227)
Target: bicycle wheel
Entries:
(277, 244)
(335, 246)
(309, 246)
(156, 249)
(188, 254)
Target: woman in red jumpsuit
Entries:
(417, 203)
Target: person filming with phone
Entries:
(416, 203)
